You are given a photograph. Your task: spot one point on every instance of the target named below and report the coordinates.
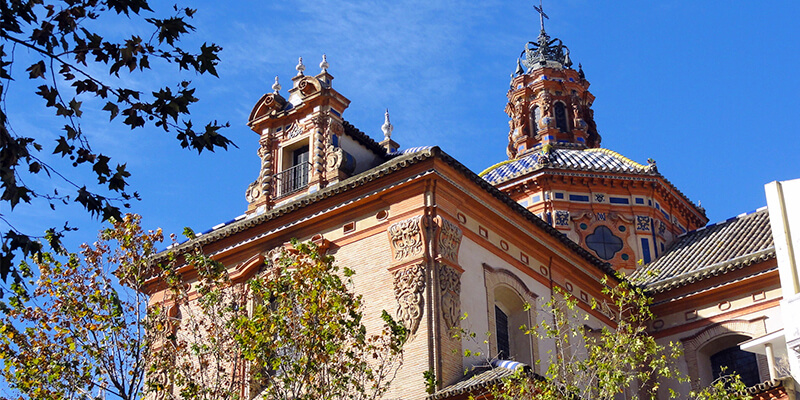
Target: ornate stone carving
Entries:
(271, 259)
(450, 287)
(293, 131)
(449, 240)
(252, 193)
(334, 128)
(407, 238)
(546, 102)
(409, 287)
(333, 158)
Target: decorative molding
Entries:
(450, 287)
(449, 240)
(494, 276)
(409, 289)
(407, 238)
(318, 149)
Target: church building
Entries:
(430, 240)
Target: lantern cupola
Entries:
(549, 103)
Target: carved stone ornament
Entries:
(409, 288)
(335, 127)
(449, 240)
(450, 287)
(333, 158)
(271, 259)
(293, 131)
(407, 238)
(252, 193)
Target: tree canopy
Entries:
(73, 53)
(109, 321)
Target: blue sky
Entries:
(707, 89)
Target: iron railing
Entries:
(291, 180)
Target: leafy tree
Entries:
(602, 363)
(69, 48)
(302, 336)
(81, 334)
(108, 321)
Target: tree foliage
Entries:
(81, 334)
(108, 321)
(72, 54)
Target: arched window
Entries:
(561, 116)
(536, 115)
(723, 353)
(509, 315)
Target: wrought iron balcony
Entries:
(292, 180)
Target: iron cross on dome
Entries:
(542, 15)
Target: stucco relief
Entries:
(409, 287)
(450, 287)
(449, 240)
(407, 238)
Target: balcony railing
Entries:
(291, 180)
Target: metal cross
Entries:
(542, 15)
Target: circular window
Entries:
(621, 228)
(625, 257)
(604, 243)
(583, 226)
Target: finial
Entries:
(324, 64)
(519, 70)
(300, 67)
(542, 15)
(387, 127)
(580, 71)
(276, 86)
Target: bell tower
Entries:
(549, 102)
(621, 211)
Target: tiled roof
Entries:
(394, 164)
(772, 384)
(599, 160)
(410, 150)
(363, 138)
(709, 251)
(571, 159)
(481, 377)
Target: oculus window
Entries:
(604, 243)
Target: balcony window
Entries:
(294, 178)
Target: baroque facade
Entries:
(431, 240)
